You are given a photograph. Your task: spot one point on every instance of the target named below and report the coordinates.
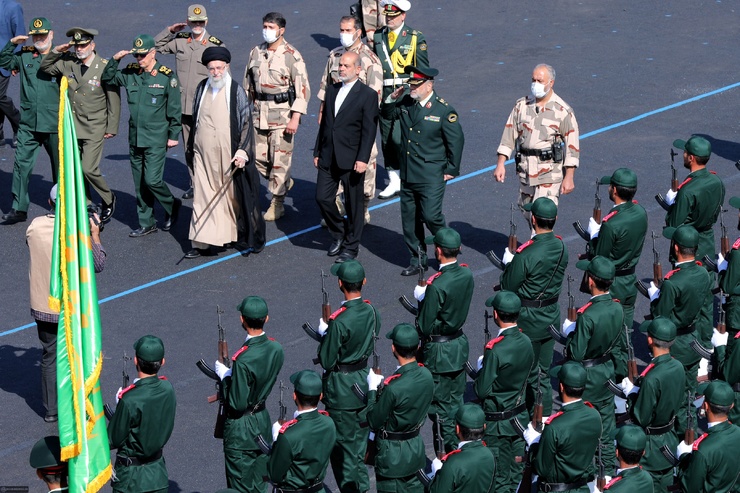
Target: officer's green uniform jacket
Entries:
(712, 466)
(443, 312)
(565, 453)
(662, 387)
(348, 340)
(153, 102)
(410, 46)
(468, 469)
(727, 358)
(730, 284)
(400, 405)
(682, 296)
(508, 364)
(631, 480)
(254, 369)
(300, 455)
(598, 332)
(140, 427)
(536, 273)
(39, 90)
(698, 203)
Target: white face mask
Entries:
(538, 90)
(346, 39)
(270, 35)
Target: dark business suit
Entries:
(342, 140)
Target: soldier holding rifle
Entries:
(630, 442)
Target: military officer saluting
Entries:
(300, 454)
(46, 459)
(188, 48)
(630, 477)
(40, 116)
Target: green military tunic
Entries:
(400, 406)
(468, 469)
(631, 480)
(712, 466)
(566, 450)
(139, 429)
(255, 367)
(39, 118)
(300, 455)
(501, 385)
(727, 358)
(349, 340)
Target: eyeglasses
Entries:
(140, 55)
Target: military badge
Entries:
(197, 11)
(78, 36)
(138, 43)
(452, 118)
(173, 82)
(37, 23)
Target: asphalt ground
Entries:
(638, 75)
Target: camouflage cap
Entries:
(623, 177)
(39, 25)
(570, 373)
(631, 437)
(349, 271)
(197, 12)
(696, 146)
(685, 235)
(404, 335)
(81, 36)
(543, 208)
(505, 301)
(660, 328)
(142, 44)
(471, 416)
(717, 392)
(149, 348)
(445, 238)
(46, 454)
(599, 266)
(253, 307)
(307, 382)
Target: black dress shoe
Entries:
(170, 219)
(14, 143)
(413, 270)
(143, 231)
(344, 256)
(188, 194)
(334, 248)
(14, 216)
(107, 210)
(51, 418)
(194, 253)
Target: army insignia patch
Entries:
(197, 11)
(173, 82)
(428, 105)
(138, 43)
(78, 36)
(37, 23)
(452, 118)
(423, 47)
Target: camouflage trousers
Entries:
(528, 193)
(273, 156)
(369, 186)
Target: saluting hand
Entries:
(121, 54)
(62, 48)
(177, 27)
(19, 40)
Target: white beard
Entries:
(217, 84)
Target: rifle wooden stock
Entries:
(438, 438)
(513, 243)
(632, 372)
(657, 274)
(325, 305)
(724, 242)
(283, 408)
(597, 214)
(572, 312)
(721, 316)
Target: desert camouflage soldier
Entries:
(277, 81)
(372, 18)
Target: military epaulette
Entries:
(166, 71)
(736, 245)
(695, 446)
(668, 276)
(524, 245)
(609, 216)
(737, 336)
(287, 425)
(634, 202)
(647, 369)
(123, 391)
(588, 404)
(612, 482)
(616, 300)
(433, 277)
(215, 40)
(367, 301)
(493, 342)
(337, 313)
(337, 52)
(463, 265)
(241, 350)
(133, 66)
(583, 308)
(551, 418)
(684, 183)
(391, 378)
(28, 49)
(325, 413)
(182, 35)
(559, 237)
(442, 101)
(456, 451)
(420, 365)
(104, 60)
(163, 378)
(271, 339)
(698, 262)
(713, 172)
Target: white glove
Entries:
(593, 228)
(683, 448)
(721, 262)
(531, 435)
(592, 487)
(222, 370)
(420, 292)
(323, 326)
(479, 366)
(373, 380)
(620, 405)
(703, 368)
(276, 430)
(118, 394)
(699, 402)
(653, 291)
(436, 466)
(508, 256)
(568, 327)
(719, 339)
(629, 387)
(670, 196)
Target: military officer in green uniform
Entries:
(40, 110)
(96, 105)
(154, 125)
(300, 454)
(655, 398)
(348, 342)
(443, 307)
(396, 412)
(246, 386)
(188, 49)
(710, 464)
(142, 423)
(564, 452)
(535, 274)
(595, 339)
(397, 46)
(46, 459)
(431, 153)
(470, 467)
(507, 370)
(630, 477)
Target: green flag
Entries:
(83, 433)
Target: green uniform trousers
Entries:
(608, 424)
(449, 389)
(147, 167)
(29, 144)
(421, 203)
(543, 351)
(348, 456)
(91, 151)
(505, 450)
(408, 484)
(246, 470)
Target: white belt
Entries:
(394, 82)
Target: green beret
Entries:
(505, 301)
(46, 453)
(599, 266)
(349, 271)
(253, 307)
(149, 348)
(631, 437)
(717, 392)
(142, 44)
(696, 146)
(307, 382)
(685, 235)
(39, 25)
(471, 416)
(623, 177)
(543, 208)
(445, 238)
(404, 335)
(660, 328)
(735, 202)
(570, 373)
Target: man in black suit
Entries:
(343, 144)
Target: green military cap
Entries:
(599, 266)
(142, 44)
(735, 202)
(81, 36)
(445, 238)
(419, 75)
(624, 177)
(39, 25)
(471, 416)
(696, 146)
(685, 235)
(631, 437)
(307, 382)
(717, 392)
(149, 348)
(46, 454)
(505, 301)
(349, 271)
(543, 208)
(197, 12)
(253, 307)
(404, 335)
(570, 373)
(660, 328)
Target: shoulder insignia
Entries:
(238, 353)
(684, 183)
(737, 335)
(215, 40)
(166, 71)
(583, 309)
(391, 378)
(173, 82)
(713, 172)
(456, 451)
(695, 446)
(698, 262)
(647, 369)
(28, 49)
(182, 35)
(551, 418)
(524, 245)
(287, 425)
(420, 365)
(616, 300)
(104, 60)
(163, 378)
(367, 301)
(325, 413)
(612, 482)
(271, 339)
(441, 100)
(668, 276)
(423, 47)
(559, 237)
(337, 313)
(452, 117)
(133, 66)
(635, 202)
(463, 265)
(736, 245)
(433, 277)
(609, 216)
(498, 339)
(123, 391)
(589, 404)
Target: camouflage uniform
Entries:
(372, 18)
(534, 130)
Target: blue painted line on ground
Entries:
(391, 202)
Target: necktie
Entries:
(391, 39)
